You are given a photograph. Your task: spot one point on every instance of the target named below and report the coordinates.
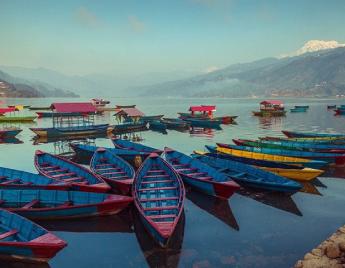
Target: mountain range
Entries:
(312, 74)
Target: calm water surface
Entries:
(252, 229)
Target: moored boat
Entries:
(113, 169)
(298, 110)
(331, 158)
(176, 123)
(270, 108)
(149, 118)
(18, 179)
(129, 127)
(158, 196)
(269, 157)
(157, 125)
(22, 119)
(318, 140)
(200, 176)
(52, 204)
(22, 239)
(247, 175)
(133, 146)
(295, 134)
(204, 123)
(302, 106)
(289, 171)
(43, 108)
(61, 169)
(331, 107)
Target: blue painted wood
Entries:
(250, 176)
(310, 134)
(23, 180)
(133, 146)
(201, 176)
(204, 123)
(157, 125)
(306, 145)
(159, 196)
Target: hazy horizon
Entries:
(135, 37)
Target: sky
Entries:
(136, 37)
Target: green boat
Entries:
(17, 118)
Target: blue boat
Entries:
(133, 146)
(86, 152)
(204, 123)
(159, 198)
(18, 179)
(129, 127)
(250, 161)
(247, 175)
(318, 147)
(310, 164)
(51, 204)
(331, 158)
(302, 106)
(335, 141)
(88, 130)
(9, 132)
(176, 123)
(61, 169)
(298, 110)
(157, 125)
(113, 170)
(200, 176)
(295, 134)
(22, 239)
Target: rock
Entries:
(299, 264)
(317, 252)
(309, 256)
(342, 246)
(322, 262)
(342, 229)
(332, 251)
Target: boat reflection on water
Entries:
(8, 262)
(155, 255)
(280, 201)
(309, 188)
(202, 132)
(131, 136)
(338, 172)
(10, 140)
(271, 122)
(214, 206)
(119, 223)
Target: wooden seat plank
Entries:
(31, 204)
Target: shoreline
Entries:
(330, 253)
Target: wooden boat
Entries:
(133, 146)
(54, 205)
(22, 119)
(201, 176)
(269, 157)
(18, 179)
(287, 145)
(44, 114)
(298, 110)
(176, 123)
(331, 158)
(113, 170)
(157, 125)
(9, 132)
(226, 119)
(302, 106)
(61, 169)
(269, 113)
(43, 108)
(294, 134)
(22, 239)
(158, 196)
(339, 111)
(294, 172)
(125, 106)
(204, 123)
(149, 118)
(129, 127)
(71, 131)
(249, 176)
(325, 140)
(99, 102)
(331, 107)
(85, 153)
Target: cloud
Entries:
(211, 69)
(313, 46)
(136, 24)
(87, 18)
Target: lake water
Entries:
(252, 229)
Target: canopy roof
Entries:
(73, 107)
(130, 112)
(203, 108)
(272, 102)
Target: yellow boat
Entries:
(305, 174)
(270, 157)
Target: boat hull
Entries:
(6, 133)
(305, 174)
